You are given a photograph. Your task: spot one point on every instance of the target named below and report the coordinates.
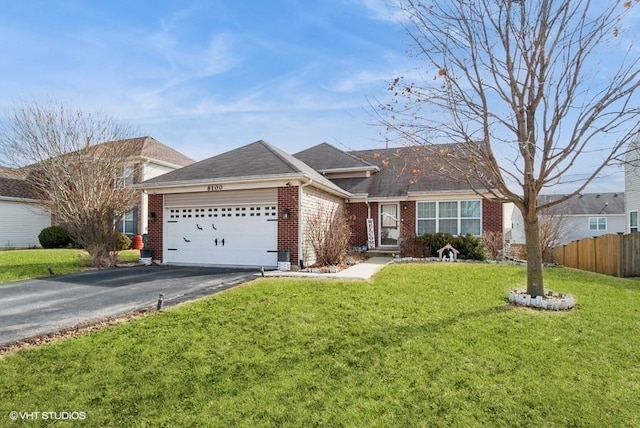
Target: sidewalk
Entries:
(364, 270)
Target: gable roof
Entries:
(326, 158)
(587, 204)
(257, 160)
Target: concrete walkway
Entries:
(364, 270)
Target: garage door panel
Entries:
(229, 235)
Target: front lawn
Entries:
(420, 345)
(25, 264)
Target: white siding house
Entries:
(22, 218)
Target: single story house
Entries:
(251, 205)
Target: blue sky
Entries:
(209, 76)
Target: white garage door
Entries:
(237, 234)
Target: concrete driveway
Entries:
(41, 306)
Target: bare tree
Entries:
(79, 179)
(329, 233)
(523, 90)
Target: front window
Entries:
(633, 221)
(454, 217)
(448, 217)
(470, 218)
(597, 223)
(426, 217)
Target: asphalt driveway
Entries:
(41, 306)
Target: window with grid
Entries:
(597, 223)
(127, 224)
(633, 221)
(125, 177)
(454, 217)
(470, 218)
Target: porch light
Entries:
(152, 216)
(285, 214)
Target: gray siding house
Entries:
(632, 187)
(583, 216)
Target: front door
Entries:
(389, 225)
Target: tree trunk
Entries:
(535, 283)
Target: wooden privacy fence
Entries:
(616, 255)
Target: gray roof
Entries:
(587, 204)
(255, 160)
(325, 157)
(402, 170)
(16, 188)
(151, 148)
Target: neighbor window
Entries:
(597, 223)
(127, 224)
(454, 217)
(126, 177)
(633, 221)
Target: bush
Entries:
(54, 237)
(470, 247)
(329, 233)
(121, 242)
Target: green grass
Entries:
(421, 345)
(25, 264)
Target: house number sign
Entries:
(214, 187)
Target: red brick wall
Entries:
(357, 213)
(491, 216)
(154, 237)
(288, 229)
(408, 218)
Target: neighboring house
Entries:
(22, 217)
(632, 186)
(582, 216)
(150, 159)
(251, 205)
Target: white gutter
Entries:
(300, 236)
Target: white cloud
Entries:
(384, 10)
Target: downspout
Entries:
(300, 237)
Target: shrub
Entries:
(54, 237)
(121, 242)
(470, 247)
(329, 232)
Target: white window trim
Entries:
(132, 220)
(458, 218)
(597, 229)
(631, 228)
(126, 177)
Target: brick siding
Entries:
(491, 216)
(408, 219)
(288, 229)
(154, 237)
